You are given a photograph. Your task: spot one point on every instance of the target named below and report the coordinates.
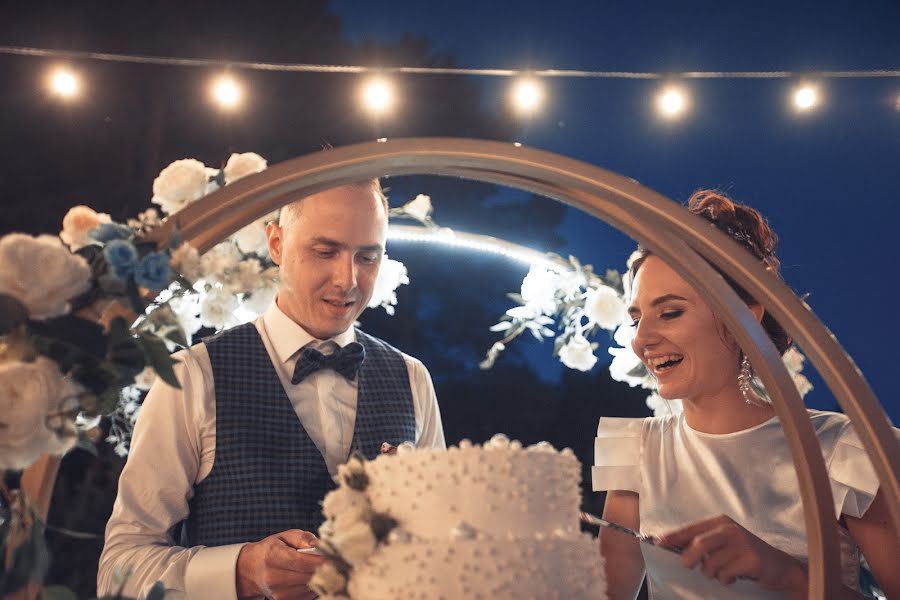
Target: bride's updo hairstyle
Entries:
(748, 228)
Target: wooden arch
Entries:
(685, 241)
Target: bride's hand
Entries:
(726, 551)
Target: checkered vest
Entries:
(268, 476)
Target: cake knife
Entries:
(642, 537)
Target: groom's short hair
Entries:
(289, 211)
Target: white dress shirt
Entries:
(174, 444)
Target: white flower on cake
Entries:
(179, 184)
(241, 165)
(578, 354)
(78, 223)
(391, 275)
(217, 309)
(353, 473)
(328, 580)
(355, 542)
(419, 208)
(603, 307)
(34, 401)
(41, 273)
(343, 500)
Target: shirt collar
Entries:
(287, 337)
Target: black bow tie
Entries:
(345, 361)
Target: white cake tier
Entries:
(560, 568)
(497, 491)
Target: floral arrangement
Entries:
(352, 529)
(88, 319)
(66, 345)
(580, 303)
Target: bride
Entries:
(717, 480)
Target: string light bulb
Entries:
(64, 83)
(377, 95)
(806, 97)
(527, 96)
(672, 102)
(226, 92)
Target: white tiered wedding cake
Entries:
(498, 521)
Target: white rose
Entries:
(252, 238)
(217, 309)
(29, 395)
(220, 261)
(539, 289)
(187, 310)
(391, 275)
(245, 277)
(186, 260)
(179, 184)
(41, 273)
(261, 298)
(241, 165)
(578, 354)
(661, 407)
(419, 208)
(793, 360)
(802, 383)
(355, 542)
(327, 580)
(77, 223)
(624, 362)
(604, 307)
(343, 500)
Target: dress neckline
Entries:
(725, 436)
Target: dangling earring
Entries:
(745, 378)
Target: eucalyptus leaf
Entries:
(134, 296)
(158, 355)
(517, 298)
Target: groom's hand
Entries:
(272, 567)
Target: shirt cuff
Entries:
(211, 573)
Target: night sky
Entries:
(827, 181)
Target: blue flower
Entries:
(153, 272)
(121, 256)
(106, 232)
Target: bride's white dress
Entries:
(683, 475)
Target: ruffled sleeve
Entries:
(853, 479)
(617, 455)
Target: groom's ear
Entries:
(275, 241)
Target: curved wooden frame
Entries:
(685, 241)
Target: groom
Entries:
(238, 460)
